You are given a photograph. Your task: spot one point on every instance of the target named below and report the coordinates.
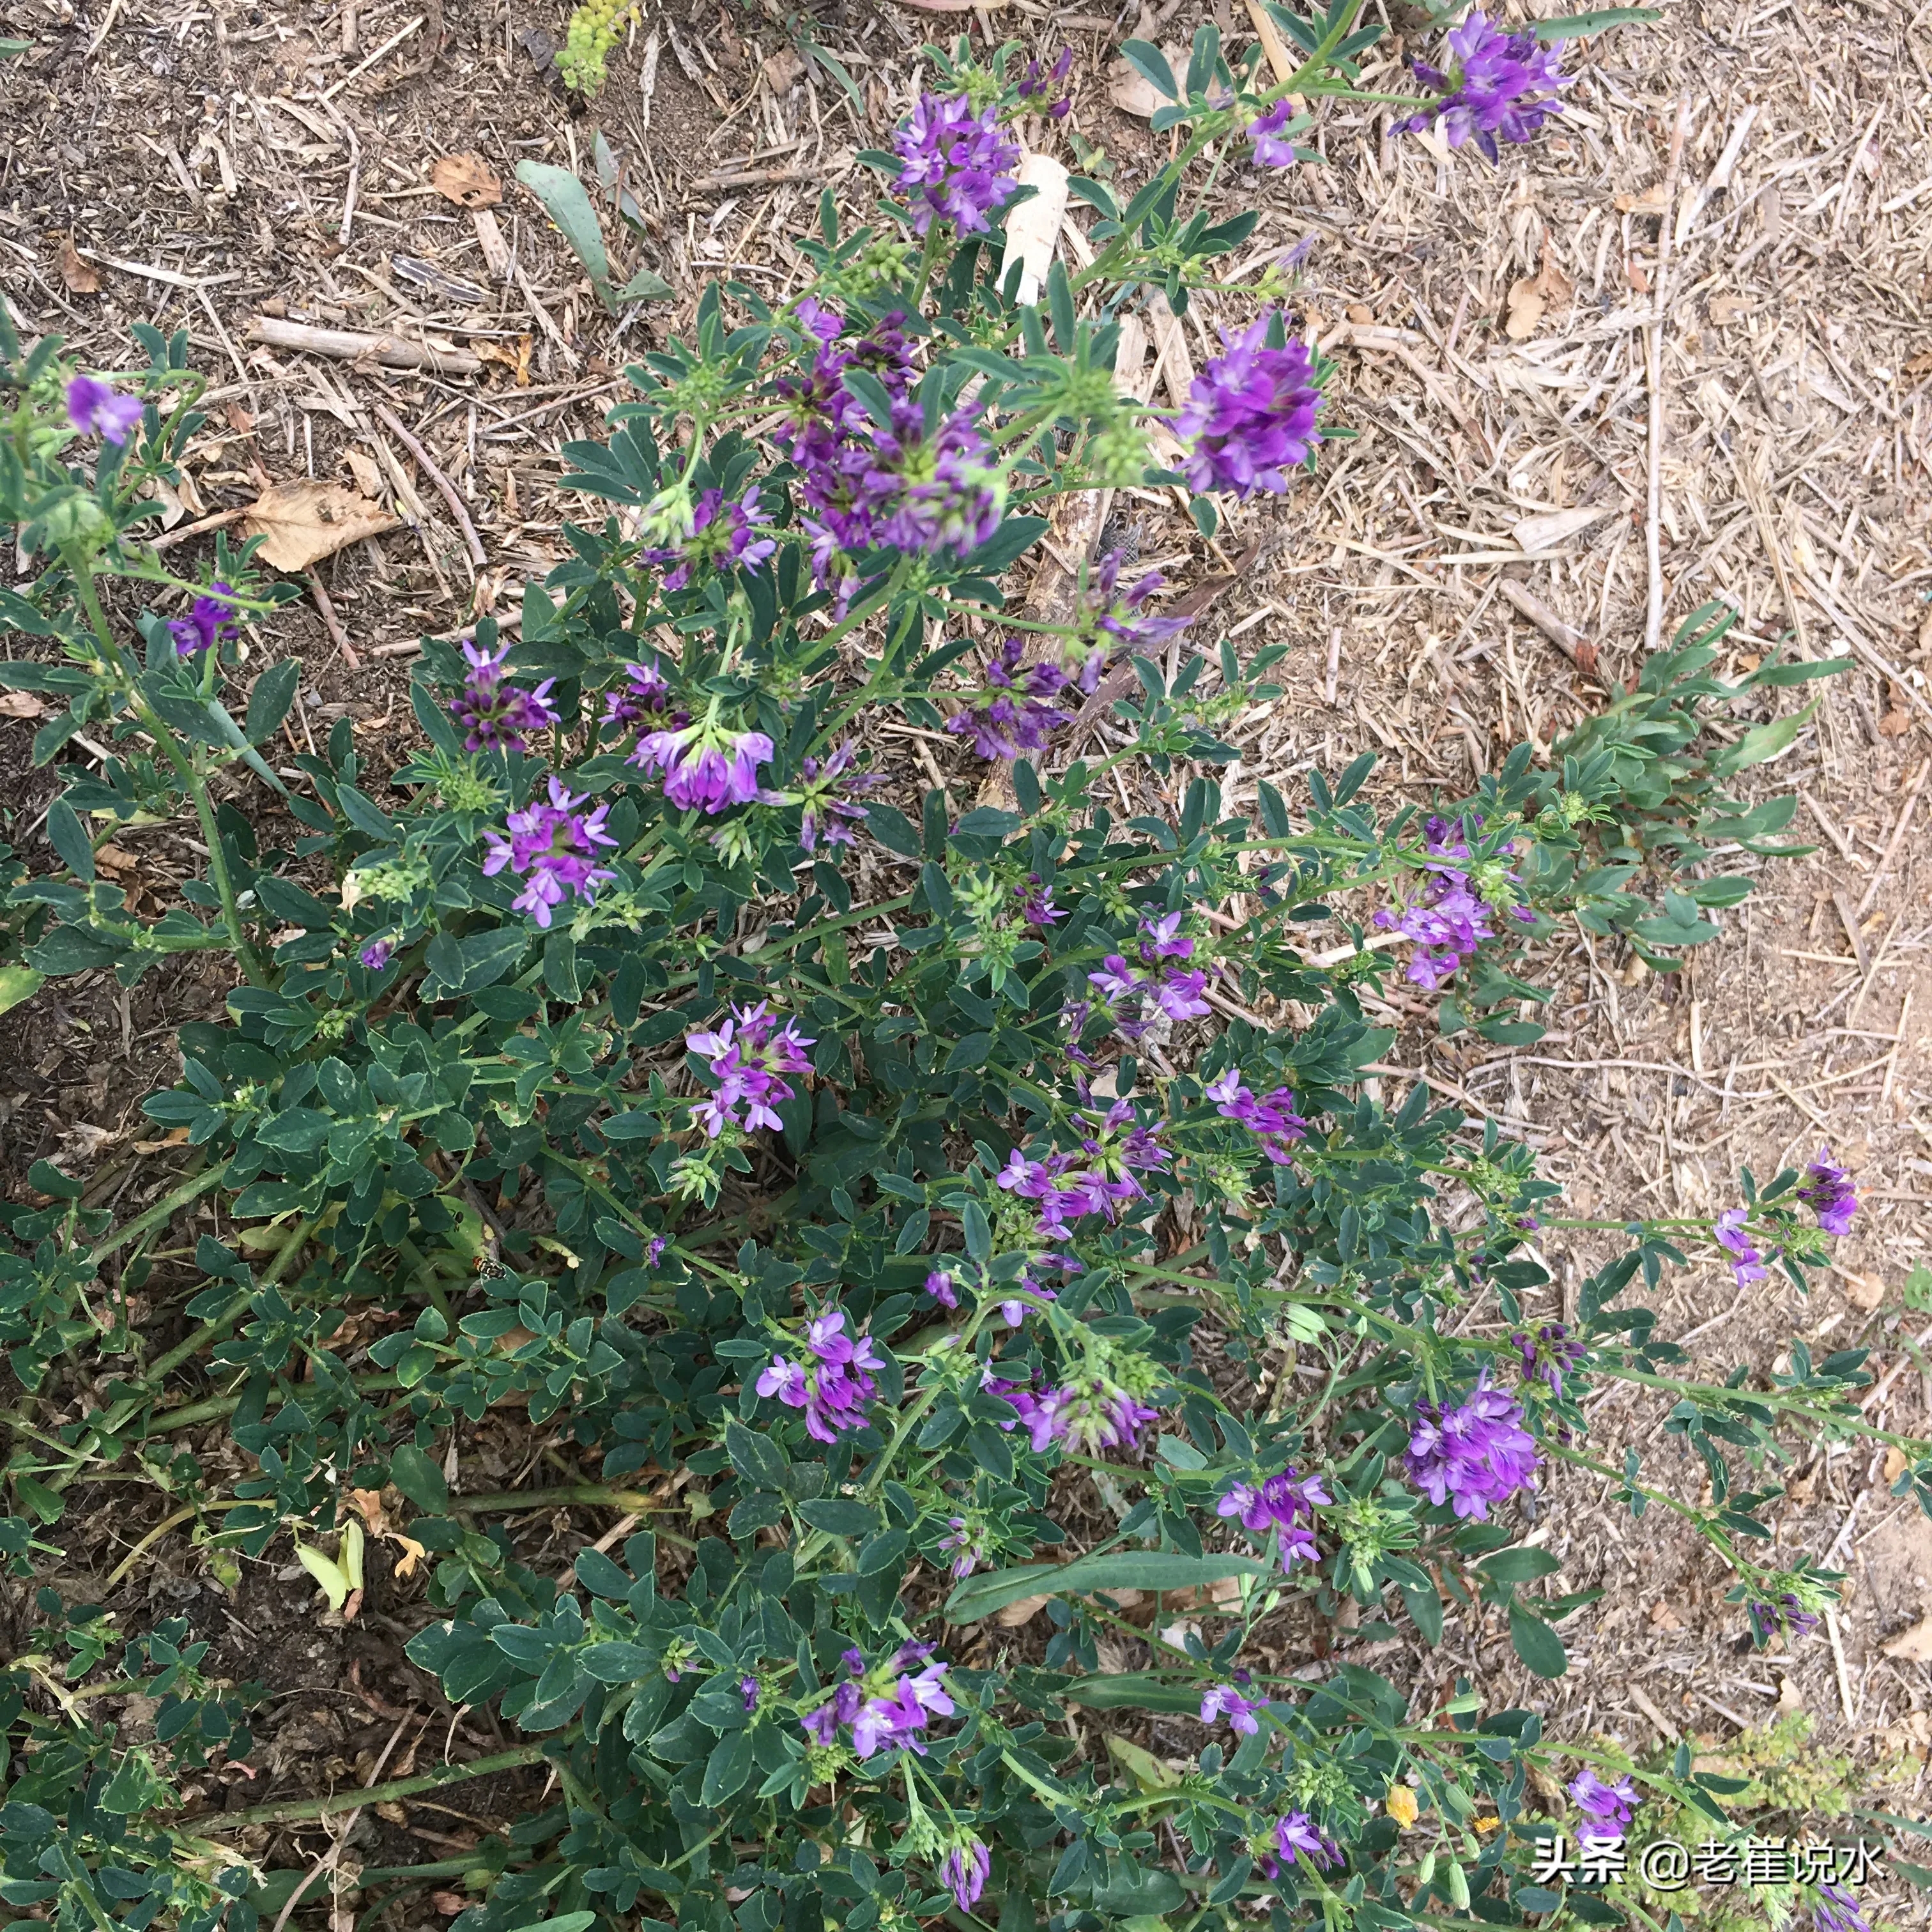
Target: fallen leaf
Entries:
(468, 180)
(81, 276)
(1546, 531)
(1915, 1645)
(782, 70)
(1663, 1617)
(1788, 1698)
(306, 521)
(369, 1504)
(1526, 306)
(1894, 1465)
(115, 860)
(1726, 309)
(1864, 1292)
(413, 1553)
(1895, 723)
(21, 704)
(362, 467)
(1651, 202)
(1019, 1611)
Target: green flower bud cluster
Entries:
(595, 29)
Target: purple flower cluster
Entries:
(493, 713)
(1089, 1412)
(1835, 1909)
(1015, 712)
(705, 769)
(864, 483)
(1155, 983)
(894, 1715)
(964, 1871)
(1497, 84)
(1550, 1356)
(1782, 1614)
(1271, 1119)
(747, 1056)
(1447, 920)
(1037, 82)
(1124, 617)
(968, 1547)
(828, 818)
(1747, 1258)
(552, 847)
(1607, 1807)
(1274, 146)
(377, 954)
(1036, 905)
(1829, 1194)
(1294, 1837)
(1064, 1188)
(833, 1388)
(1473, 1455)
(1250, 416)
(955, 166)
(1223, 1700)
(722, 533)
(644, 692)
(210, 622)
(1284, 1501)
(96, 408)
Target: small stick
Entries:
(1653, 629)
(1892, 844)
(220, 520)
(1333, 669)
(393, 351)
(332, 623)
(477, 554)
(395, 41)
(1568, 639)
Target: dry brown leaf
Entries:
(1894, 1465)
(1864, 1292)
(1896, 723)
(513, 356)
(1022, 1610)
(1525, 309)
(468, 180)
(1546, 531)
(21, 704)
(1915, 1645)
(781, 71)
(1651, 202)
(362, 467)
(305, 522)
(81, 276)
(1726, 309)
(116, 860)
(1663, 1617)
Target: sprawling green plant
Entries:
(667, 1050)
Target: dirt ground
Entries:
(1679, 349)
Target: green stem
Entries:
(382, 1794)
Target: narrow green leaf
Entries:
(980, 1596)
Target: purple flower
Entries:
(1830, 1194)
(1037, 83)
(1250, 416)
(1550, 1355)
(1036, 905)
(1783, 1615)
(894, 1721)
(1223, 1700)
(749, 1056)
(654, 1249)
(1608, 1807)
(968, 1547)
(1746, 1259)
(1447, 920)
(1497, 84)
(645, 691)
(1835, 1909)
(210, 622)
(955, 165)
(722, 533)
(1089, 1413)
(963, 1872)
(1124, 618)
(1272, 1119)
(552, 848)
(704, 769)
(96, 408)
(834, 1389)
(1274, 146)
(1285, 1501)
(939, 1285)
(1294, 1837)
(1014, 712)
(828, 818)
(748, 1689)
(1473, 1455)
(378, 953)
(495, 713)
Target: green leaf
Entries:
(617, 1663)
(567, 202)
(569, 1921)
(1763, 741)
(645, 286)
(1582, 26)
(755, 1457)
(727, 1769)
(419, 1479)
(1133, 1690)
(18, 983)
(70, 839)
(268, 703)
(1536, 1643)
(839, 1515)
(980, 1596)
(1519, 1566)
